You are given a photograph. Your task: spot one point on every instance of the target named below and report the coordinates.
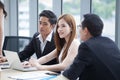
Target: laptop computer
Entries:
(14, 61)
(4, 65)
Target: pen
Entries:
(52, 74)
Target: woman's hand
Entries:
(26, 64)
(35, 63)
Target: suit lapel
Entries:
(38, 46)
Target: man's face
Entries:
(44, 26)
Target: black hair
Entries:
(49, 14)
(2, 7)
(93, 23)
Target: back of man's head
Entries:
(49, 14)
(93, 23)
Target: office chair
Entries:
(15, 43)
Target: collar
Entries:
(49, 37)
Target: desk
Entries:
(9, 72)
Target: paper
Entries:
(0, 69)
(33, 76)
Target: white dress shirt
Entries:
(43, 43)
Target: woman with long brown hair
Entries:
(3, 14)
(66, 46)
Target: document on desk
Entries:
(34, 76)
(0, 69)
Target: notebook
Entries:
(32, 76)
(14, 61)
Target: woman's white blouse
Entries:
(72, 52)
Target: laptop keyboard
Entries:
(4, 65)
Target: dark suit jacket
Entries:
(97, 59)
(34, 47)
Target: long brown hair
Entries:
(60, 42)
(2, 7)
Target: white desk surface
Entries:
(10, 72)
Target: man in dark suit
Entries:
(42, 42)
(98, 57)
